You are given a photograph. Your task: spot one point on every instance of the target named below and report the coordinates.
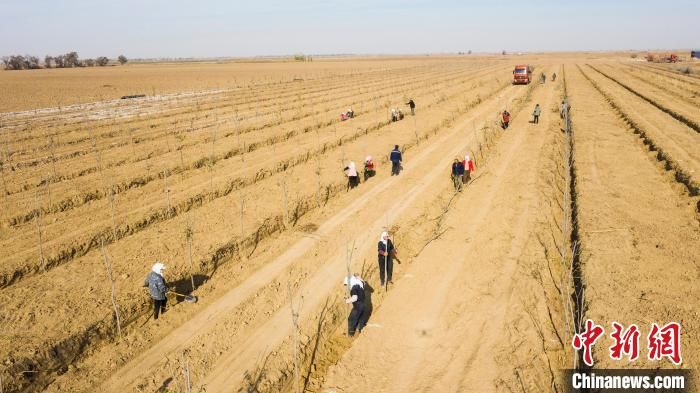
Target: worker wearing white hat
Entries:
(155, 281)
(358, 316)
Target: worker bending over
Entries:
(358, 316)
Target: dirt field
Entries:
(231, 174)
(58, 88)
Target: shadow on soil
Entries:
(184, 285)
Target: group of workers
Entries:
(353, 176)
(543, 77)
(349, 114)
(505, 116)
(461, 172)
(396, 113)
(386, 253)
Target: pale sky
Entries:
(223, 28)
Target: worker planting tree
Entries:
(386, 255)
(358, 316)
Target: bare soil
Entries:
(245, 167)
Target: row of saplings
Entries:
(461, 172)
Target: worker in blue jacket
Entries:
(395, 158)
(457, 174)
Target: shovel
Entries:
(187, 298)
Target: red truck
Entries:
(522, 75)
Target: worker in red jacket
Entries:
(505, 119)
(468, 169)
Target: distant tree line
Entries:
(302, 57)
(68, 60)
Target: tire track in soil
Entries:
(321, 286)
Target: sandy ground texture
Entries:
(638, 227)
(239, 188)
(446, 324)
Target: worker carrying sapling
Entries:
(386, 254)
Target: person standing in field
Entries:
(468, 169)
(412, 105)
(358, 316)
(385, 257)
(561, 109)
(395, 158)
(536, 114)
(157, 288)
(457, 174)
(564, 108)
